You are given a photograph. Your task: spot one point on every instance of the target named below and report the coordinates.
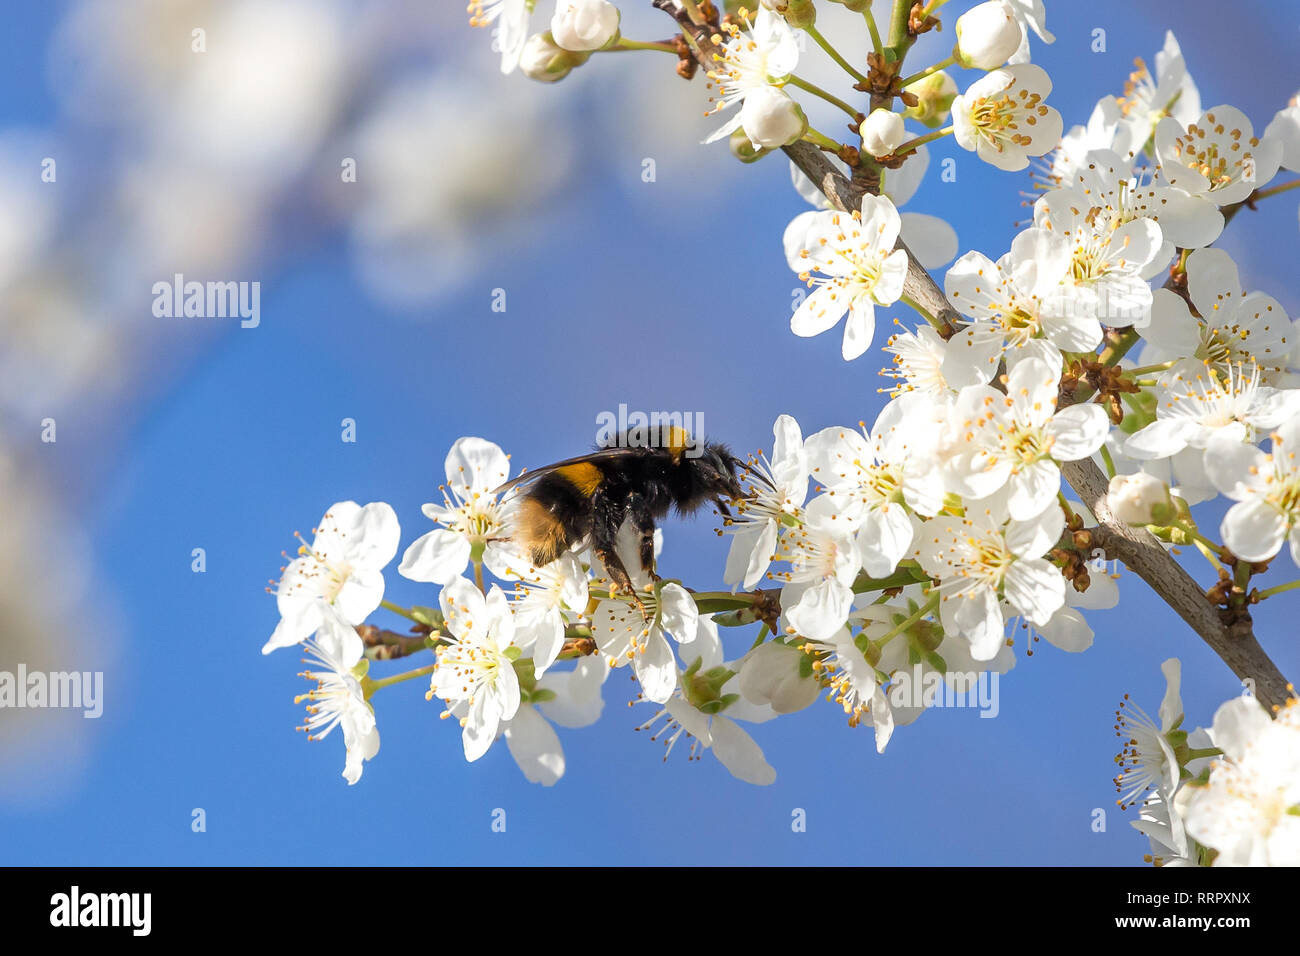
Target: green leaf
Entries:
(741, 617)
(427, 615)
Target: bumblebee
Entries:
(588, 498)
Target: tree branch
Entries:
(1147, 558)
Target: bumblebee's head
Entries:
(715, 471)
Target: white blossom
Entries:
(776, 500)
(824, 562)
(1003, 118)
(1112, 251)
(981, 560)
(882, 132)
(873, 480)
(1197, 403)
(1247, 812)
(338, 699)
(771, 119)
(1266, 489)
(475, 524)
(584, 25)
(545, 600)
(851, 264)
(987, 35)
(1149, 99)
(511, 32)
(1019, 298)
(924, 361)
(1146, 758)
(1216, 160)
(755, 58)
(475, 672)
(1234, 327)
(1016, 439)
(1139, 499)
(342, 568)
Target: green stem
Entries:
(625, 44)
(818, 91)
(369, 686)
(1196, 753)
(822, 140)
(1116, 350)
(1146, 369)
(762, 636)
(912, 144)
(876, 45)
(1108, 461)
(908, 80)
(898, 17)
(1242, 582)
(911, 303)
(822, 42)
(929, 606)
(1207, 553)
(390, 606)
(1277, 589)
(932, 6)
(478, 577)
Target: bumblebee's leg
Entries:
(607, 517)
(643, 523)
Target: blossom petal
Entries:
(819, 311)
(736, 750)
(436, 558)
(1254, 530)
(535, 746)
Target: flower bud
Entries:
(934, 94)
(777, 675)
(798, 13)
(857, 6)
(771, 119)
(1140, 499)
(987, 35)
(544, 61)
(882, 132)
(743, 149)
(584, 25)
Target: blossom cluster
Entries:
(1227, 795)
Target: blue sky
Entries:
(619, 301)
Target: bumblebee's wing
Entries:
(595, 457)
